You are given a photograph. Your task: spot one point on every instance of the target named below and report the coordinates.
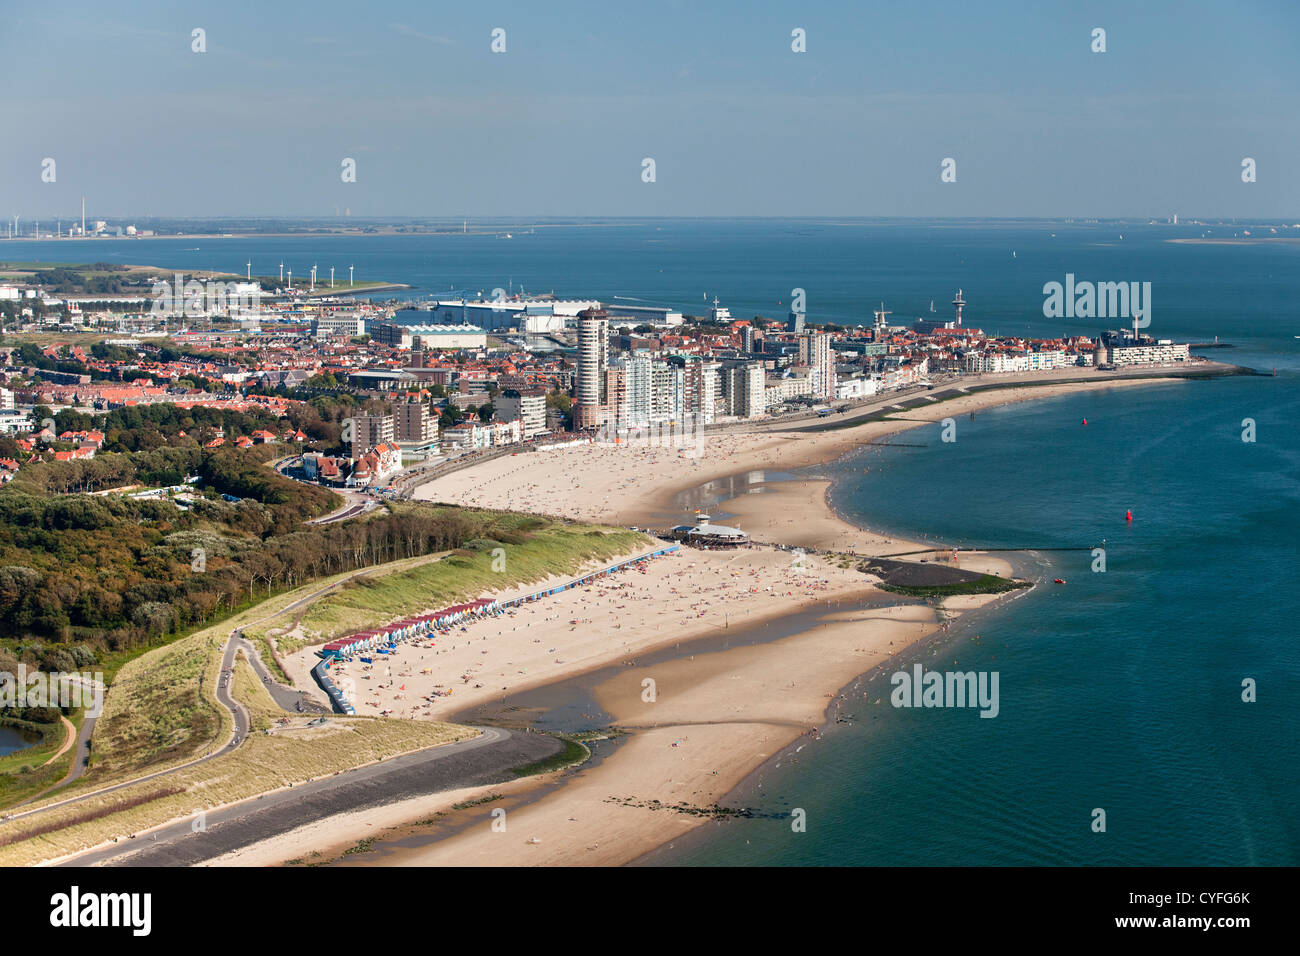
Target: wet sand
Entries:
(710, 718)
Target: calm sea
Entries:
(1119, 691)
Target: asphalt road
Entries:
(242, 720)
(80, 756)
(284, 696)
(242, 723)
(289, 698)
(482, 760)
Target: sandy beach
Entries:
(715, 717)
(675, 598)
(631, 485)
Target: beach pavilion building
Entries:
(704, 534)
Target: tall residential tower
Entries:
(593, 359)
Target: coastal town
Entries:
(361, 390)
(218, 460)
(752, 441)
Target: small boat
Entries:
(1058, 580)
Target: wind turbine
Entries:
(249, 264)
(282, 272)
(350, 268)
(331, 277)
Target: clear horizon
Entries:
(559, 219)
(738, 123)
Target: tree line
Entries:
(117, 573)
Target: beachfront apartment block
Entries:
(899, 374)
(593, 359)
(856, 387)
(414, 423)
(702, 384)
(528, 405)
(370, 431)
(815, 352)
(1002, 361)
(778, 391)
(641, 391)
(745, 394)
(1149, 353)
(469, 436)
(654, 391)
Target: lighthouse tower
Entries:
(958, 303)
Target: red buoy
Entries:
(1128, 516)
(1085, 421)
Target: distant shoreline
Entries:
(1236, 241)
(324, 233)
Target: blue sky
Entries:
(736, 122)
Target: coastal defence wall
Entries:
(341, 706)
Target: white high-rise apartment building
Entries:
(653, 392)
(745, 392)
(703, 388)
(815, 352)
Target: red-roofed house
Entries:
(75, 453)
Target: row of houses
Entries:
(259, 437)
(456, 615)
(385, 637)
(1021, 360)
(470, 435)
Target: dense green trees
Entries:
(112, 572)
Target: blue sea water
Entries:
(1120, 690)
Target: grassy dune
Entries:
(275, 623)
(161, 711)
(249, 690)
(154, 714)
(266, 761)
(462, 575)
